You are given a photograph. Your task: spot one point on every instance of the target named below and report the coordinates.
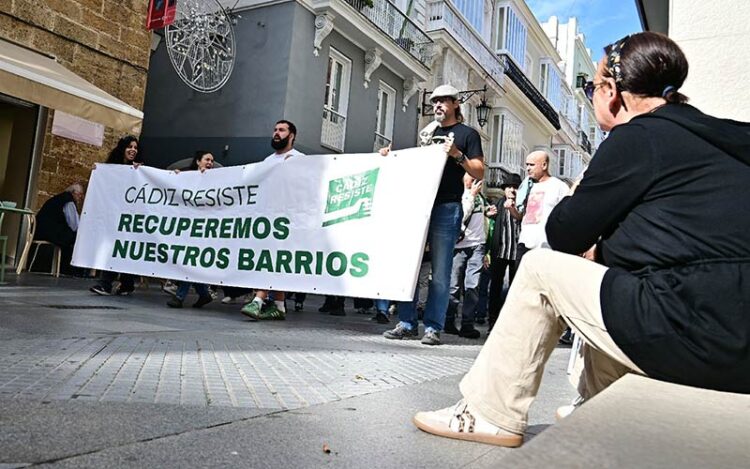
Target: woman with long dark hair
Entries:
(202, 161)
(661, 209)
(127, 152)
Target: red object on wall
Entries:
(160, 13)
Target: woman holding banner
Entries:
(202, 161)
(126, 152)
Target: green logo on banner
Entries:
(350, 197)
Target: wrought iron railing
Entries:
(381, 141)
(494, 176)
(517, 76)
(333, 131)
(399, 27)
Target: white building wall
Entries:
(715, 37)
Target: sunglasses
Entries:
(589, 87)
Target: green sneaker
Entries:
(272, 312)
(252, 310)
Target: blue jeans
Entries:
(382, 306)
(467, 268)
(184, 287)
(484, 285)
(445, 224)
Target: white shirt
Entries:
(280, 157)
(542, 199)
(475, 233)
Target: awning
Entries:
(30, 76)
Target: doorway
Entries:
(18, 128)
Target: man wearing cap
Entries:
(503, 242)
(463, 147)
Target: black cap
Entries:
(511, 180)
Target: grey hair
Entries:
(74, 188)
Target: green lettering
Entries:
(125, 220)
(331, 260)
(302, 261)
(191, 256)
(222, 258)
(150, 255)
(264, 261)
(261, 228)
(121, 249)
(281, 225)
(284, 261)
(197, 230)
(242, 227)
(359, 264)
(176, 250)
(182, 225)
(138, 223)
(318, 263)
(208, 256)
(152, 222)
(211, 227)
(245, 259)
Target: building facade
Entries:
(714, 36)
(345, 73)
(84, 58)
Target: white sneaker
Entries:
(457, 422)
(170, 288)
(566, 410)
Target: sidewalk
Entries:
(90, 381)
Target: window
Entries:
(511, 34)
(336, 101)
(550, 83)
(509, 152)
(384, 116)
(561, 157)
(473, 11)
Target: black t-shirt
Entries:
(467, 140)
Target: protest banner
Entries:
(351, 225)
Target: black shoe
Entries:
(468, 332)
(337, 311)
(381, 318)
(298, 306)
(202, 301)
(124, 291)
(174, 302)
(100, 290)
(326, 308)
(567, 338)
(450, 328)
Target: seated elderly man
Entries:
(664, 201)
(57, 222)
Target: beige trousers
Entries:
(550, 289)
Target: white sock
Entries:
(258, 300)
(280, 305)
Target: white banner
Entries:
(352, 225)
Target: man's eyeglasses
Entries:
(590, 87)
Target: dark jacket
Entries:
(50, 221)
(666, 195)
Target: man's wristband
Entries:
(461, 159)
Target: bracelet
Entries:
(461, 159)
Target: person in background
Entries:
(126, 152)
(282, 141)
(57, 223)
(202, 161)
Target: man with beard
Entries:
(463, 147)
(284, 134)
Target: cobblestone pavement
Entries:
(135, 349)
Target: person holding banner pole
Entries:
(126, 152)
(463, 148)
(202, 161)
(282, 141)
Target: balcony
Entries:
(333, 131)
(519, 78)
(442, 15)
(494, 176)
(400, 28)
(381, 141)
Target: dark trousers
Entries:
(497, 280)
(520, 251)
(127, 281)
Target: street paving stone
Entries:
(281, 365)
